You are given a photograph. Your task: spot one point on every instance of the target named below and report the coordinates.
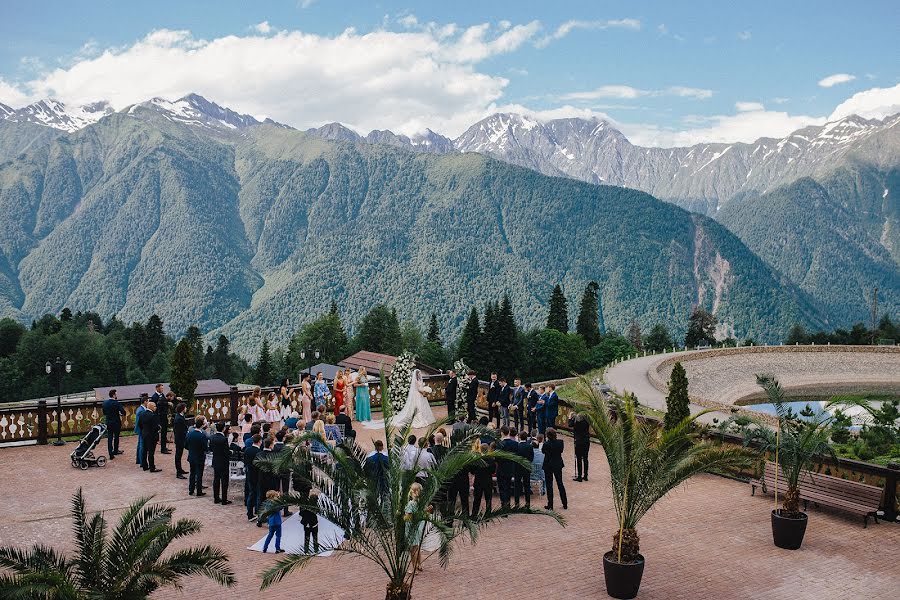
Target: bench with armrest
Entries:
(826, 490)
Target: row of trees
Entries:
(886, 332)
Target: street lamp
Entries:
(58, 366)
(303, 357)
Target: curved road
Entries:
(631, 376)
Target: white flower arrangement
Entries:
(401, 375)
(462, 387)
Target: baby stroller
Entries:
(83, 456)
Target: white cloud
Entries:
(748, 106)
(876, 103)
(744, 36)
(11, 95)
(780, 100)
(745, 126)
(569, 26)
(408, 21)
(263, 27)
(626, 92)
(837, 78)
(662, 28)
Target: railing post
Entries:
(42, 422)
(233, 404)
(890, 491)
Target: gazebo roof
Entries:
(374, 362)
(132, 392)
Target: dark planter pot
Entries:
(787, 532)
(622, 579)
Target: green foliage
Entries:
(551, 354)
(588, 324)
(646, 463)
(558, 316)
(701, 329)
(469, 348)
(264, 368)
(434, 331)
(131, 561)
(859, 334)
(184, 379)
(634, 335)
(10, 334)
(326, 334)
(433, 355)
(678, 404)
(658, 340)
(411, 336)
(379, 332)
(612, 346)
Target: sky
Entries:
(665, 73)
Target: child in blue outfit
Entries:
(274, 524)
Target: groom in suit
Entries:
(493, 394)
(471, 395)
(450, 393)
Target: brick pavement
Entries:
(709, 539)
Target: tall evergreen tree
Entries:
(658, 339)
(184, 380)
(264, 365)
(797, 335)
(380, 332)
(334, 308)
(490, 335)
(154, 335)
(222, 360)
(509, 355)
(701, 329)
(434, 331)
(558, 317)
(677, 402)
(137, 340)
(325, 334)
(634, 335)
(195, 339)
(66, 315)
(588, 324)
(470, 342)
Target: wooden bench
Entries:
(826, 490)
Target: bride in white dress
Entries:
(416, 409)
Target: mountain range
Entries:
(125, 212)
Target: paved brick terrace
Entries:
(710, 539)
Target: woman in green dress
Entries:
(363, 400)
(415, 535)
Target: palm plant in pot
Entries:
(645, 462)
(795, 444)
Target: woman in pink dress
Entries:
(306, 398)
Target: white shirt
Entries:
(409, 456)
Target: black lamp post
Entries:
(309, 366)
(58, 366)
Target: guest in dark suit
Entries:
(266, 481)
(504, 398)
(179, 434)
(484, 485)
(472, 395)
(506, 469)
(113, 411)
(523, 474)
(284, 478)
(250, 454)
(149, 424)
(531, 398)
(197, 443)
(552, 407)
(517, 406)
(221, 455)
(553, 466)
(540, 410)
(376, 466)
(450, 393)
(162, 410)
(492, 394)
(581, 431)
(344, 419)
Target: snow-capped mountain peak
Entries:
(194, 110)
(56, 114)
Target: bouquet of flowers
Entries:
(462, 388)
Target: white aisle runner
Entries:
(330, 535)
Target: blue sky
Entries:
(665, 72)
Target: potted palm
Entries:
(795, 444)
(374, 511)
(645, 462)
(126, 564)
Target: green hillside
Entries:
(255, 232)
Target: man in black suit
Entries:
(523, 474)
(553, 466)
(506, 469)
(221, 455)
(517, 406)
(265, 480)
(162, 411)
(459, 485)
(149, 424)
(504, 398)
(179, 433)
(492, 395)
(113, 411)
(197, 443)
(471, 395)
(484, 487)
(344, 419)
(284, 477)
(450, 393)
(376, 466)
(250, 454)
(531, 399)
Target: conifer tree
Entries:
(508, 358)
(489, 338)
(334, 308)
(221, 359)
(701, 329)
(184, 380)
(434, 332)
(588, 325)
(677, 402)
(264, 365)
(658, 339)
(558, 317)
(634, 335)
(195, 339)
(470, 343)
